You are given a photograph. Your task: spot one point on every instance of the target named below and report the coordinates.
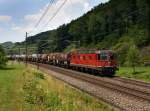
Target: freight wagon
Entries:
(94, 61)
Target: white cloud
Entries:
(5, 18)
(87, 7)
(1, 29)
(15, 28)
(71, 10)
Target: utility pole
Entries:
(19, 55)
(37, 60)
(38, 53)
(26, 48)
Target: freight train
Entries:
(102, 62)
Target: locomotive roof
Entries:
(92, 51)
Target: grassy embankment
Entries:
(28, 90)
(141, 73)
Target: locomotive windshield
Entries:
(103, 56)
(106, 56)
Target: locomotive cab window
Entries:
(103, 56)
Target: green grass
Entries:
(26, 89)
(9, 87)
(141, 73)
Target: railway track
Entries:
(108, 83)
(99, 82)
(131, 81)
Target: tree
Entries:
(3, 59)
(121, 49)
(133, 58)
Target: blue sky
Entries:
(19, 16)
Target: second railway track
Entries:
(135, 82)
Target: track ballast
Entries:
(116, 84)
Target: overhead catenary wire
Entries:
(45, 12)
(61, 6)
(57, 11)
(53, 16)
(113, 31)
(51, 2)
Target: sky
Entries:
(20, 16)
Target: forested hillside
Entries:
(7, 45)
(116, 25)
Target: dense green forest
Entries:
(116, 25)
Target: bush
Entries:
(39, 75)
(133, 58)
(121, 49)
(3, 59)
(34, 94)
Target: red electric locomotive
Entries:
(103, 61)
